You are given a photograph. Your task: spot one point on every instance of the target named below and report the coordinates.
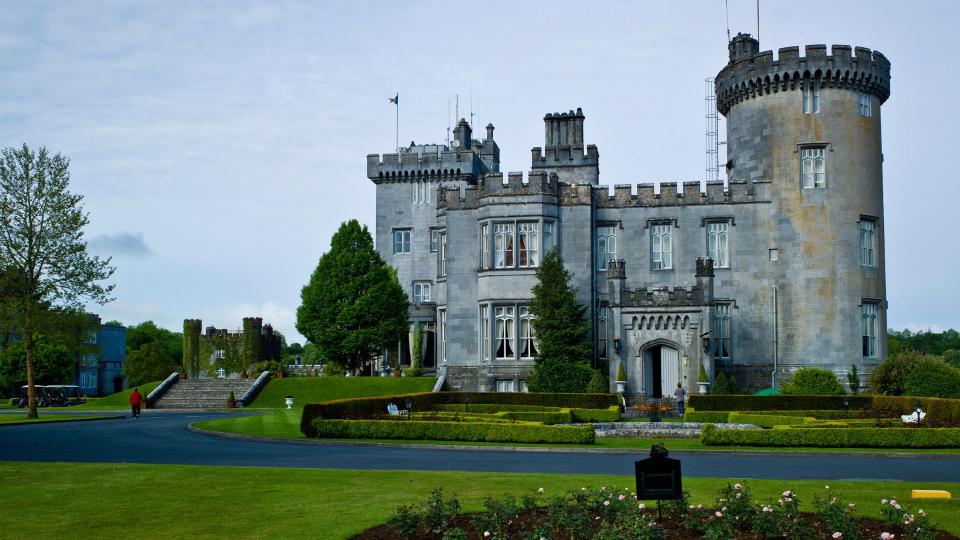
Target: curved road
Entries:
(164, 438)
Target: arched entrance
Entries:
(661, 369)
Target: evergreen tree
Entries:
(562, 362)
(353, 307)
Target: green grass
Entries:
(313, 389)
(286, 424)
(7, 419)
(180, 501)
(120, 400)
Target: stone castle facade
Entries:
(220, 353)
(784, 262)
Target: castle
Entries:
(219, 353)
(781, 267)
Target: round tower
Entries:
(191, 346)
(804, 133)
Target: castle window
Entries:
(863, 104)
(717, 247)
(221, 373)
(401, 241)
(503, 240)
(443, 253)
(811, 96)
(868, 242)
(549, 241)
(442, 330)
(661, 245)
(528, 337)
(602, 332)
(528, 242)
(505, 332)
(606, 246)
(434, 240)
(812, 167)
(421, 292)
(868, 316)
(721, 331)
(485, 332)
(505, 385)
(485, 245)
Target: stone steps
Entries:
(202, 393)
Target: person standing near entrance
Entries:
(680, 394)
(136, 401)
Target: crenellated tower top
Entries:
(751, 73)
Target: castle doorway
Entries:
(661, 368)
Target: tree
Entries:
(853, 380)
(562, 361)
(890, 377)
(932, 377)
(353, 308)
(814, 382)
(151, 362)
(53, 364)
(41, 240)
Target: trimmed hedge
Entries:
(443, 416)
(776, 403)
(835, 437)
(546, 415)
(452, 431)
(715, 417)
(359, 408)
(938, 409)
(813, 413)
(559, 417)
(610, 414)
(767, 420)
(489, 408)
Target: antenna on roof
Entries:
(471, 107)
(448, 122)
(758, 20)
(726, 5)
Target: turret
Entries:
(563, 152)
(704, 278)
(191, 346)
(462, 135)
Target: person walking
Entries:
(680, 394)
(136, 401)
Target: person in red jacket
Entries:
(136, 401)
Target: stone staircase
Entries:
(202, 393)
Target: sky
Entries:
(219, 145)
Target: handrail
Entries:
(254, 388)
(161, 388)
(441, 378)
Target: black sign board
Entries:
(658, 478)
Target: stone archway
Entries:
(660, 366)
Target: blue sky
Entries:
(220, 144)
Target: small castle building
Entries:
(220, 353)
(779, 267)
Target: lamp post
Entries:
(409, 403)
(466, 401)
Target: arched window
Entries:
(813, 168)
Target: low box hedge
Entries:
(767, 420)
(452, 431)
(488, 408)
(359, 408)
(715, 417)
(610, 414)
(939, 409)
(777, 403)
(559, 417)
(819, 414)
(835, 437)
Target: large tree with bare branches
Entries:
(42, 245)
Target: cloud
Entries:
(121, 244)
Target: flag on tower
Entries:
(395, 99)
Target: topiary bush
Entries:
(814, 382)
(835, 437)
(452, 431)
(932, 378)
(621, 372)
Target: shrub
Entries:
(777, 403)
(559, 417)
(490, 408)
(702, 376)
(272, 366)
(937, 409)
(715, 417)
(621, 372)
(890, 377)
(835, 438)
(932, 378)
(610, 414)
(814, 382)
(598, 383)
(452, 431)
(377, 406)
(721, 385)
(853, 380)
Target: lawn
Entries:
(180, 501)
(120, 400)
(9, 418)
(286, 424)
(313, 389)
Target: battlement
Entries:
(661, 297)
(495, 185)
(435, 163)
(624, 196)
(751, 73)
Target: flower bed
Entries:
(614, 514)
(835, 437)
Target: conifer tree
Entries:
(562, 362)
(353, 307)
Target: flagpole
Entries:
(397, 133)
